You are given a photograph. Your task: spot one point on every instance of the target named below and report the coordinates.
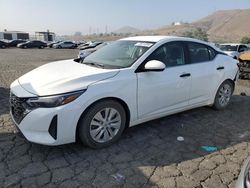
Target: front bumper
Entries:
(47, 126)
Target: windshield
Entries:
(228, 48)
(119, 54)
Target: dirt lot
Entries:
(147, 155)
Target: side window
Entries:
(172, 54)
(242, 48)
(198, 53)
(212, 53)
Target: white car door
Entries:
(165, 91)
(205, 72)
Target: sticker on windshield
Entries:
(144, 44)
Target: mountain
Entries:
(226, 25)
(126, 30)
(221, 26)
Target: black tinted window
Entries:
(242, 48)
(172, 54)
(198, 52)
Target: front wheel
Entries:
(223, 95)
(102, 124)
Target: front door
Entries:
(166, 91)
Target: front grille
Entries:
(17, 107)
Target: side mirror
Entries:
(154, 65)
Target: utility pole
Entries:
(106, 29)
(90, 30)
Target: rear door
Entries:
(166, 91)
(203, 68)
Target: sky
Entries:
(65, 17)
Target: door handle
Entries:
(220, 68)
(185, 75)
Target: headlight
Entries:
(53, 101)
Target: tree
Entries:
(245, 40)
(197, 33)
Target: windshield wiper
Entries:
(94, 64)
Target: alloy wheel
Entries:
(105, 125)
(225, 94)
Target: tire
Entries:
(42, 47)
(95, 131)
(223, 95)
(25, 47)
(59, 47)
(3, 46)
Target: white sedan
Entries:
(125, 83)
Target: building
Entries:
(45, 36)
(11, 35)
(177, 23)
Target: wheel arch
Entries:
(231, 81)
(122, 102)
(218, 86)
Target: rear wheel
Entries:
(102, 124)
(42, 47)
(3, 46)
(223, 95)
(59, 47)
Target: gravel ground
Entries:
(147, 155)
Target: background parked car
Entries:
(233, 50)
(14, 43)
(92, 45)
(3, 44)
(85, 44)
(65, 44)
(50, 45)
(84, 53)
(79, 43)
(244, 65)
(32, 44)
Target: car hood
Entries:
(62, 77)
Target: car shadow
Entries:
(133, 160)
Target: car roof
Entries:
(159, 38)
(148, 38)
(162, 38)
(232, 44)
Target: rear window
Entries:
(199, 53)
